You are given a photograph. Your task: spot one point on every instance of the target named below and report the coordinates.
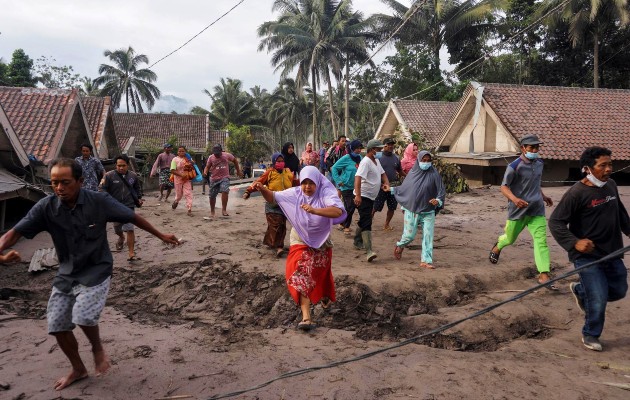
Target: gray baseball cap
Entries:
(374, 143)
(530, 140)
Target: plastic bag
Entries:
(198, 178)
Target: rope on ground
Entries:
(414, 339)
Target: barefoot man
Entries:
(76, 219)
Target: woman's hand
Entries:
(308, 208)
(434, 202)
(245, 195)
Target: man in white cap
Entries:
(526, 206)
(368, 181)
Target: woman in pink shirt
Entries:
(309, 157)
(181, 168)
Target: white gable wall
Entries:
(489, 135)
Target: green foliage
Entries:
(56, 76)
(231, 105)
(4, 70)
(242, 144)
(19, 71)
(152, 147)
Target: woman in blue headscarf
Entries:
(420, 195)
(276, 178)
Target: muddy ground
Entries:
(213, 316)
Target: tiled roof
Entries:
(155, 129)
(566, 119)
(429, 118)
(39, 117)
(217, 137)
(96, 110)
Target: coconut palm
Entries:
(288, 111)
(437, 22)
(589, 18)
(125, 78)
(230, 104)
(313, 37)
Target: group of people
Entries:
(588, 222)
(179, 171)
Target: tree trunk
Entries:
(330, 104)
(596, 59)
(346, 108)
(127, 98)
(314, 80)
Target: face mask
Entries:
(279, 164)
(531, 156)
(593, 179)
(424, 165)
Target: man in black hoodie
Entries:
(588, 223)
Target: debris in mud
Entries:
(142, 351)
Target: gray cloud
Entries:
(77, 33)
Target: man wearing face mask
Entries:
(588, 223)
(526, 206)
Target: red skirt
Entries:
(308, 272)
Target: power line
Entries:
(202, 31)
(496, 47)
(411, 14)
(442, 328)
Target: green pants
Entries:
(537, 227)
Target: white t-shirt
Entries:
(370, 174)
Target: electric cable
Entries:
(200, 32)
(414, 339)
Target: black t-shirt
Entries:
(588, 212)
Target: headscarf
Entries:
(408, 158)
(291, 161)
(352, 147)
(419, 187)
(312, 229)
(274, 158)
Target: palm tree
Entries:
(230, 104)
(124, 78)
(89, 87)
(314, 36)
(589, 18)
(437, 22)
(288, 111)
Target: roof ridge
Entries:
(548, 87)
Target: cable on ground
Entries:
(414, 339)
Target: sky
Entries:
(76, 33)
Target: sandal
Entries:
(347, 231)
(494, 257)
(550, 286)
(306, 325)
(426, 265)
(280, 253)
(388, 228)
(174, 205)
(398, 252)
(325, 303)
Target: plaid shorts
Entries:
(82, 306)
(382, 198)
(222, 186)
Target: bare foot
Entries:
(101, 363)
(427, 265)
(69, 379)
(225, 214)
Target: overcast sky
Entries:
(77, 32)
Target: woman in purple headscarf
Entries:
(312, 208)
(276, 178)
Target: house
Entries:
(483, 134)
(17, 194)
(49, 123)
(428, 118)
(99, 113)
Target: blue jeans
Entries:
(599, 284)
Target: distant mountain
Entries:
(168, 103)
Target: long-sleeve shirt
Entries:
(162, 161)
(589, 212)
(343, 172)
(114, 185)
